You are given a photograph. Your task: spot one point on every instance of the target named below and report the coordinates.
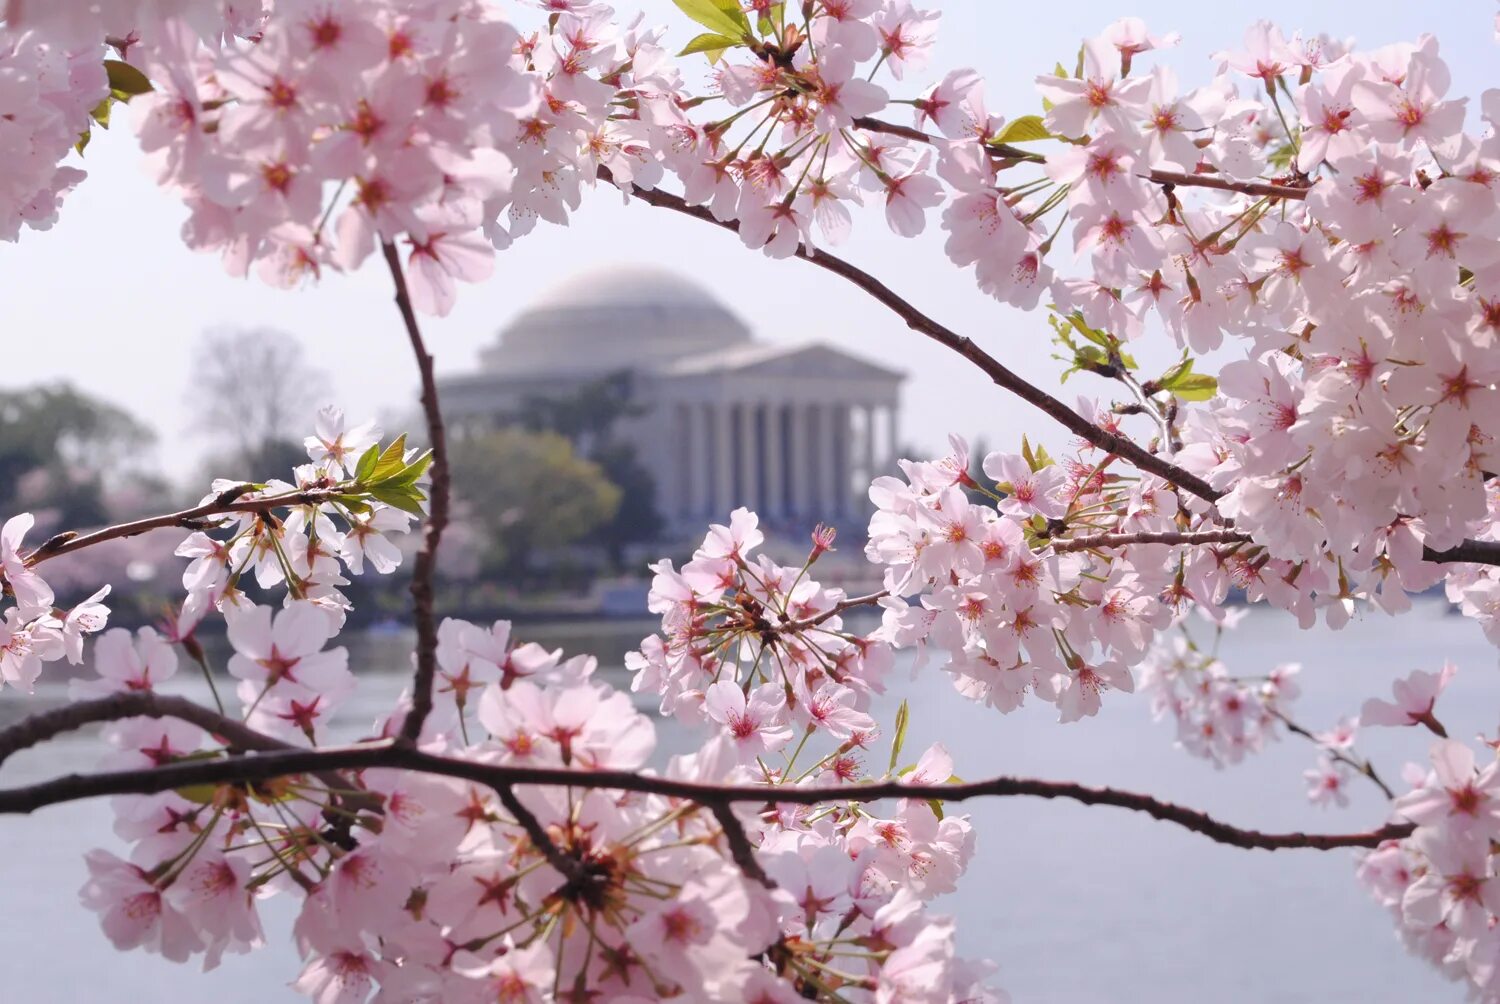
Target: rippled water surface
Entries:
(1078, 905)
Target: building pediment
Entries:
(816, 361)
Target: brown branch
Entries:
(740, 848)
(224, 504)
(1477, 552)
(1192, 538)
(1156, 176)
(1360, 766)
(1262, 188)
(568, 868)
(234, 734)
(47, 725)
(999, 373)
(834, 611)
(392, 754)
(424, 569)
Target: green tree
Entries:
(59, 447)
(588, 418)
(531, 494)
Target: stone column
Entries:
(891, 446)
(746, 457)
(798, 436)
(775, 489)
(843, 444)
(827, 462)
(872, 466)
(722, 460)
(699, 450)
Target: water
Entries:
(1079, 905)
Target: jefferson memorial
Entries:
(719, 418)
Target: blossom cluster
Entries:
(426, 887)
(1219, 717)
(34, 631)
(47, 93)
(1328, 214)
(1442, 883)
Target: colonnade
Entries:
(784, 460)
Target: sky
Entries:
(111, 300)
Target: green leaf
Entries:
(1026, 129)
(903, 715)
(1183, 383)
(715, 45)
(722, 17)
(126, 79)
(402, 497)
(1195, 387)
(100, 113)
(1281, 158)
(83, 141)
(392, 460)
(936, 807)
(367, 461)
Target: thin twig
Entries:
(1099, 541)
(424, 569)
(565, 866)
(834, 611)
(740, 848)
(226, 503)
(1159, 177)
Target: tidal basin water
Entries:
(1078, 905)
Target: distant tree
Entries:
(59, 447)
(588, 418)
(531, 494)
(255, 392)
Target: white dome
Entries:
(619, 317)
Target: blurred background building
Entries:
(647, 362)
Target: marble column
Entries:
(891, 446)
(798, 438)
(722, 462)
(749, 481)
(827, 462)
(700, 449)
(872, 466)
(775, 488)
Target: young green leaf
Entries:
(126, 80)
(712, 43)
(1026, 129)
(715, 17)
(903, 714)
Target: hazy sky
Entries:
(112, 300)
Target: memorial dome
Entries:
(614, 318)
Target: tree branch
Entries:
(565, 866)
(424, 569)
(224, 504)
(1474, 551)
(834, 611)
(740, 848)
(1157, 176)
(1192, 538)
(1002, 375)
(39, 728)
(253, 767)
(236, 735)
(1477, 552)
